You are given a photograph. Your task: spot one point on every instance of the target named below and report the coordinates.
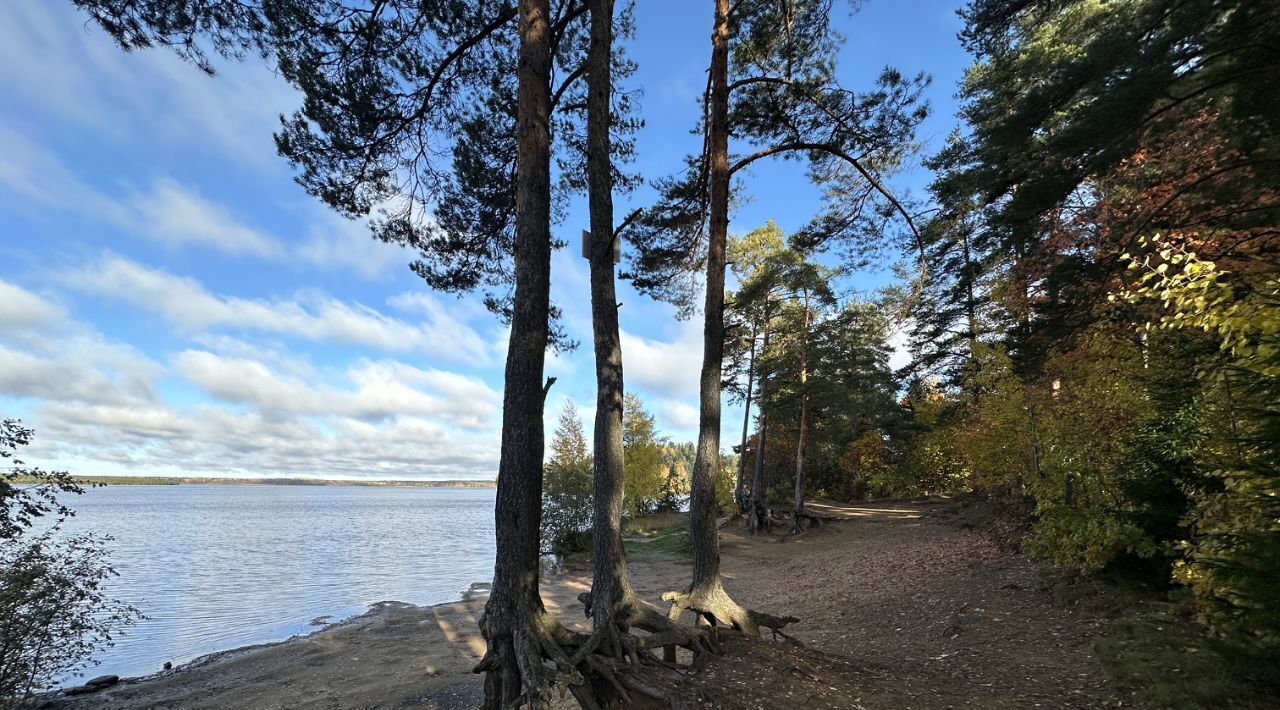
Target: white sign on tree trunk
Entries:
(586, 247)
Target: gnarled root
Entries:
(621, 669)
(717, 610)
(515, 668)
(758, 517)
(608, 668)
(799, 518)
(662, 632)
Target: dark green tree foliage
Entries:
(566, 488)
(408, 113)
(25, 504)
(54, 612)
(1049, 113)
(842, 352)
(1239, 542)
(786, 101)
(950, 309)
(852, 391)
(1104, 135)
(1065, 92)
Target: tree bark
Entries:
(803, 439)
(971, 315)
(517, 628)
(705, 536)
(610, 583)
(706, 596)
(612, 603)
(738, 490)
(757, 512)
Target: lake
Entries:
(215, 567)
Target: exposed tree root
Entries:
(799, 518)
(611, 667)
(717, 610)
(515, 667)
(759, 518)
(662, 632)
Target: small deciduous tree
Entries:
(54, 611)
(771, 82)
(643, 450)
(566, 487)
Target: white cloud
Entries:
(20, 308)
(380, 390)
(447, 318)
(676, 415)
(211, 440)
(32, 173)
(73, 70)
(666, 368)
(81, 374)
(340, 243)
(900, 341)
(190, 308)
(177, 216)
(167, 212)
(266, 351)
(45, 355)
(96, 408)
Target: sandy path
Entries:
(921, 612)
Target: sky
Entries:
(172, 303)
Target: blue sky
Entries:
(172, 303)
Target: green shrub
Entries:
(54, 612)
(566, 488)
(1086, 539)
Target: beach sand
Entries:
(901, 606)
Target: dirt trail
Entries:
(928, 614)
(900, 606)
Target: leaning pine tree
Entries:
(612, 603)
(388, 90)
(772, 83)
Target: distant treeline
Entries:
(173, 481)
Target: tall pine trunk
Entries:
(757, 513)
(739, 489)
(706, 595)
(803, 440)
(973, 366)
(702, 500)
(514, 618)
(611, 603)
(610, 583)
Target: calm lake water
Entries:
(217, 566)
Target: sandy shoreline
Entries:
(478, 591)
(393, 655)
(899, 608)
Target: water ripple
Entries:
(216, 567)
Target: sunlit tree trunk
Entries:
(706, 595)
(757, 512)
(610, 583)
(739, 492)
(803, 439)
(514, 619)
(702, 501)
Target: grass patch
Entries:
(672, 545)
(1168, 662)
(651, 538)
(657, 524)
